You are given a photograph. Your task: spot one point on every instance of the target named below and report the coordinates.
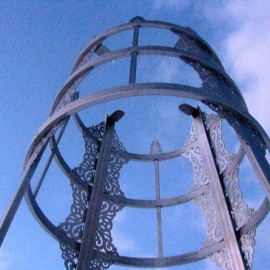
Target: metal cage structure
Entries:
(85, 235)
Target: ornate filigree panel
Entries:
(43, 141)
(74, 226)
(191, 45)
(70, 93)
(245, 129)
(217, 85)
(240, 211)
(195, 157)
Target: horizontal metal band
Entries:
(141, 50)
(257, 218)
(160, 157)
(143, 24)
(42, 219)
(162, 262)
(122, 260)
(136, 156)
(157, 203)
(237, 160)
(143, 89)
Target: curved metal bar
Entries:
(49, 227)
(142, 89)
(257, 218)
(141, 50)
(79, 123)
(156, 203)
(136, 156)
(146, 262)
(160, 157)
(45, 223)
(130, 90)
(143, 24)
(52, 230)
(64, 166)
(112, 94)
(164, 261)
(237, 159)
(42, 219)
(48, 163)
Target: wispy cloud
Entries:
(247, 53)
(171, 70)
(245, 46)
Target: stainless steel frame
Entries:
(217, 91)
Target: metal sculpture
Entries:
(85, 235)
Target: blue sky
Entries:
(40, 41)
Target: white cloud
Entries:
(171, 70)
(246, 46)
(254, 10)
(167, 70)
(247, 54)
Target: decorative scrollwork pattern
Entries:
(217, 85)
(240, 211)
(244, 128)
(190, 45)
(74, 226)
(69, 93)
(194, 155)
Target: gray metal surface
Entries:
(156, 149)
(228, 230)
(95, 204)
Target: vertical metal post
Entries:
(95, 201)
(133, 61)
(232, 245)
(159, 224)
